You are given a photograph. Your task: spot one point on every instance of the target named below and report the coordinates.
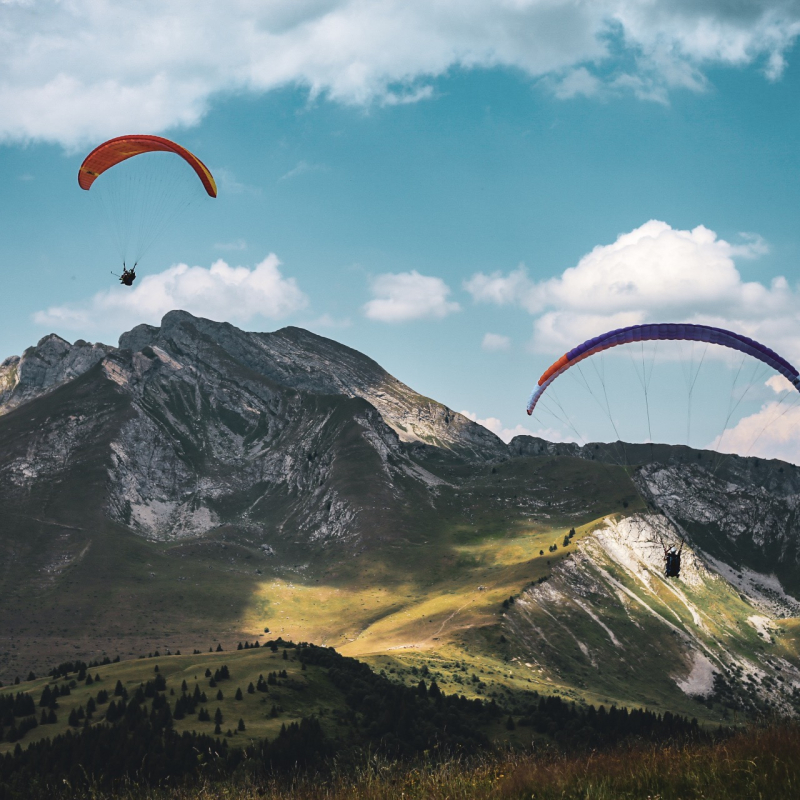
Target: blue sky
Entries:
(408, 178)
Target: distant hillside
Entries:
(201, 483)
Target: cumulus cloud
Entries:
(493, 342)
(497, 427)
(403, 296)
(221, 292)
(577, 82)
(654, 273)
(772, 432)
(779, 384)
(75, 72)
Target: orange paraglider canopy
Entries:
(121, 148)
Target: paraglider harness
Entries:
(672, 567)
(128, 275)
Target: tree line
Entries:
(130, 735)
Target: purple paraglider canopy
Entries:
(664, 330)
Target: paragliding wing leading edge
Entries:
(666, 330)
(114, 151)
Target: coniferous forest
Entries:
(125, 736)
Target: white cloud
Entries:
(578, 82)
(498, 289)
(403, 296)
(222, 292)
(497, 428)
(779, 384)
(74, 72)
(655, 273)
(772, 432)
(228, 183)
(302, 168)
(326, 321)
(493, 342)
(236, 244)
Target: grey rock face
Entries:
(301, 360)
(51, 363)
(223, 427)
(563, 625)
(753, 519)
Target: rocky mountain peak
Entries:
(206, 414)
(290, 357)
(296, 358)
(52, 362)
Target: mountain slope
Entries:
(204, 483)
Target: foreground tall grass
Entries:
(761, 762)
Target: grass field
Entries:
(762, 762)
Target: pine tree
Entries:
(238, 694)
(250, 688)
(46, 697)
(218, 716)
(241, 724)
(219, 695)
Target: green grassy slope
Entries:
(303, 693)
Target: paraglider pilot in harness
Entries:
(672, 567)
(128, 275)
